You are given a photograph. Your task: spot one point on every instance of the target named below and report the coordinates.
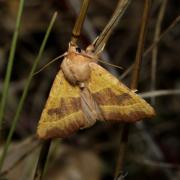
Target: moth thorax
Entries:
(76, 71)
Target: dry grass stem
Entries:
(158, 93)
(155, 49)
(134, 83)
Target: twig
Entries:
(158, 93)
(149, 49)
(155, 49)
(154, 164)
(140, 48)
(107, 31)
(134, 82)
(79, 22)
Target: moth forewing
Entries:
(62, 114)
(116, 101)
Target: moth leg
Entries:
(90, 107)
(81, 85)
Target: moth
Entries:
(84, 92)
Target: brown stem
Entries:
(140, 48)
(134, 83)
(107, 31)
(79, 21)
(155, 49)
(121, 156)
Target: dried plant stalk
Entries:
(107, 31)
(155, 49)
(135, 77)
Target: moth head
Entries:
(74, 48)
(77, 54)
(75, 65)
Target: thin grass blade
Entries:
(25, 91)
(10, 63)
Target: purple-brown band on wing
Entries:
(108, 97)
(56, 132)
(128, 110)
(66, 107)
(130, 117)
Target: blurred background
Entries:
(154, 145)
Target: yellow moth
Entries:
(84, 92)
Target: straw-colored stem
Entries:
(79, 22)
(140, 48)
(155, 49)
(107, 31)
(158, 93)
(134, 82)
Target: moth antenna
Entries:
(113, 65)
(102, 61)
(49, 63)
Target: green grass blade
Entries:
(10, 62)
(42, 161)
(25, 91)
